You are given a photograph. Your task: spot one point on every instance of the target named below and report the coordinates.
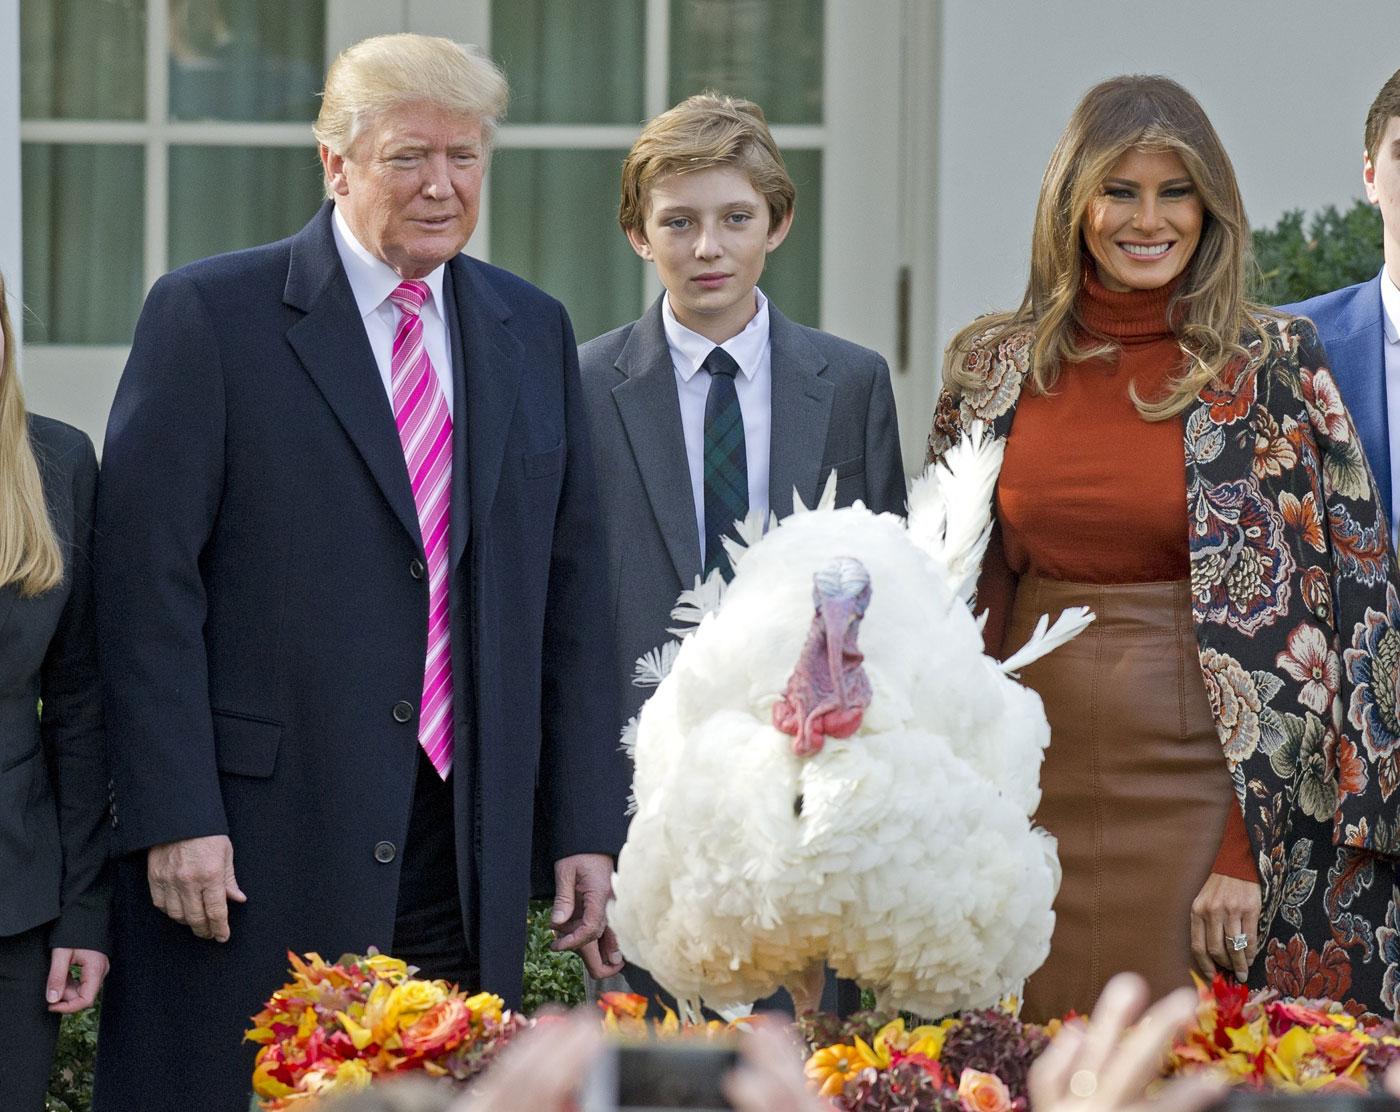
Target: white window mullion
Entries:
(656, 95)
(656, 90)
(157, 179)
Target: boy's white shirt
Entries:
(754, 385)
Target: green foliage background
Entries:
(1296, 259)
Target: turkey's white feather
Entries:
(904, 855)
(654, 666)
(950, 507)
(693, 605)
(1070, 624)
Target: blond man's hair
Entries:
(29, 552)
(1208, 312)
(702, 132)
(387, 71)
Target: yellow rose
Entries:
(486, 1005)
(416, 997)
(387, 968)
(983, 1092)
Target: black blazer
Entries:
(53, 772)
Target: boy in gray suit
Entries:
(714, 405)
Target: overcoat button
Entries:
(384, 852)
(416, 569)
(403, 711)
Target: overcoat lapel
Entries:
(492, 360)
(651, 415)
(801, 411)
(331, 343)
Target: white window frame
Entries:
(869, 233)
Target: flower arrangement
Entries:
(625, 1013)
(975, 1062)
(334, 1027)
(1292, 1045)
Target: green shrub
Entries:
(1337, 249)
(549, 977)
(70, 1082)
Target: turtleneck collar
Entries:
(1134, 316)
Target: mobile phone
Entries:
(655, 1075)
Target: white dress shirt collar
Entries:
(1390, 305)
(372, 280)
(690, 349)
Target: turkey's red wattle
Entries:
(828, 691)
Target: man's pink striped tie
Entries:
(425, 430)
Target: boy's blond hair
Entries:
(702, 132)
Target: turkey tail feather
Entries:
(1069, 625)
(950, 507)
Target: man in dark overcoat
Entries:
(354, 642)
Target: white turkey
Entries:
(831, 770)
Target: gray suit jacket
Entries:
(832, 409)
(53, 773)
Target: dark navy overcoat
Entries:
(262, 613)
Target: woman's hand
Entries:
(1224, 909)
(1107, 1066)
(64, 994)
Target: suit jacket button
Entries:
(403, 711)
(384, 852)
(417, 568)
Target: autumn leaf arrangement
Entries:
(1293, 1045)
(335, 1027)
(977, 1061)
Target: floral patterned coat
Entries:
(1294, 596)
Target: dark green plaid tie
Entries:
(726, 466)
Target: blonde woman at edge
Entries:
(1222, 772)
(54, 892)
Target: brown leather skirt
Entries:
(1134, 786)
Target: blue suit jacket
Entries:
(1350, 323)
(262, 615)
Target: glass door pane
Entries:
(769, 51)
(792, 277)
(246, 59)
(571, 63)
(82, 242)
(261, 194)
(554, 222)
(82, 61)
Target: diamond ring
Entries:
(1239, 942)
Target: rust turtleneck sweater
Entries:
(1089, 491)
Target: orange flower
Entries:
(983, 1092)
(440, 1028)
(623, 1004)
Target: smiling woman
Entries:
(1179, 460)
(1143, 227)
